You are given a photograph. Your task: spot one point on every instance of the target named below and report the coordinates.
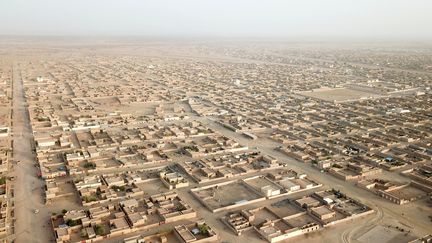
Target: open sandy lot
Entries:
(338, 94)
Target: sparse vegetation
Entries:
(91, 198)
(89, 165)
(71, 222)
(99, 229)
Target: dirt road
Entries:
(30, 227)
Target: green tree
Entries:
(99, 229)
(71, 222)
(204, 229)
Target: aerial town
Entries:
(234, 142)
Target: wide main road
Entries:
(29, 226)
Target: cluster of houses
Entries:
(294, 217)
(127, 136)
(122, 218)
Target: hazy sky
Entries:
(409, 19)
